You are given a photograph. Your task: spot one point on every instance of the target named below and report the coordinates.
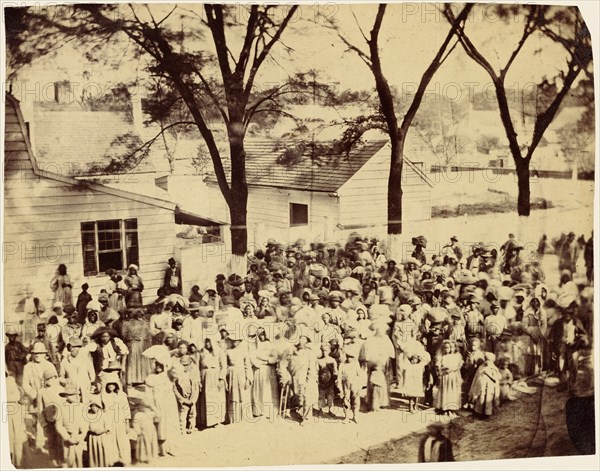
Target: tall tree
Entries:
(396, 129)
(562, 25)
(224, 76)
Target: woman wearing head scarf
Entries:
(376, 353)
(118, 413)
(484, 395)
(135, 286)
(161, 398)
(535, 326)
(263, 357)
(61, 285)
(136, 334)
(238, 381)
(213, 367)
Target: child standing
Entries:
(506, 380)
(186, 392)
(328, 371)
(449, 363)
(351, 380)
(411, 372)
(143, 424)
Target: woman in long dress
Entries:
(238, 381)
(265, 392)
(61, 285)
(211, 406)
(484, 395)
(376, 353)
(161, 397)
(135, 286)
(101, 443)
(136, 334)
(116, 408)
(449, 363)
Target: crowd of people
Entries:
(310, 330)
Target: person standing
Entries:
(161, 397)
(263, 357)
(137, 338)
(118, 413)
(72, 427)
(449, 380)
(61, 286)
(213, 363)
(376, 354)
(238, 381)
(172, 280)
(135, 286)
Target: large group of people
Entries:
(311, 330)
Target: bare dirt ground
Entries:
(532, 426)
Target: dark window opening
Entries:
(298, 214)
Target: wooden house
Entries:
(322, 198)
(52, 217)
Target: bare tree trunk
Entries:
(238, 202)
(523, 200)
(395, 187)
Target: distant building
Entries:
(318, 199)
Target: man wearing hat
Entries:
(230, 314)
(48, 403)
(567, 336)
(34, 370)
(76, 367)
(72, 427)
(299, 369)
(494, 325)
(335, 309)
(15, 353)
(172, 280)
(106, 314)
(191, 330)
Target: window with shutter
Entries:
(109, 244)
(110, 247)
(131, 242)
(88, 246)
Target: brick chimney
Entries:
(63, 93)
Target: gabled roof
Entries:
(69, 180)
(308, 173)
(86, 143)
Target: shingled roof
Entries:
(87, 143)
(307, 173)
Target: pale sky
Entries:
(410, 36)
